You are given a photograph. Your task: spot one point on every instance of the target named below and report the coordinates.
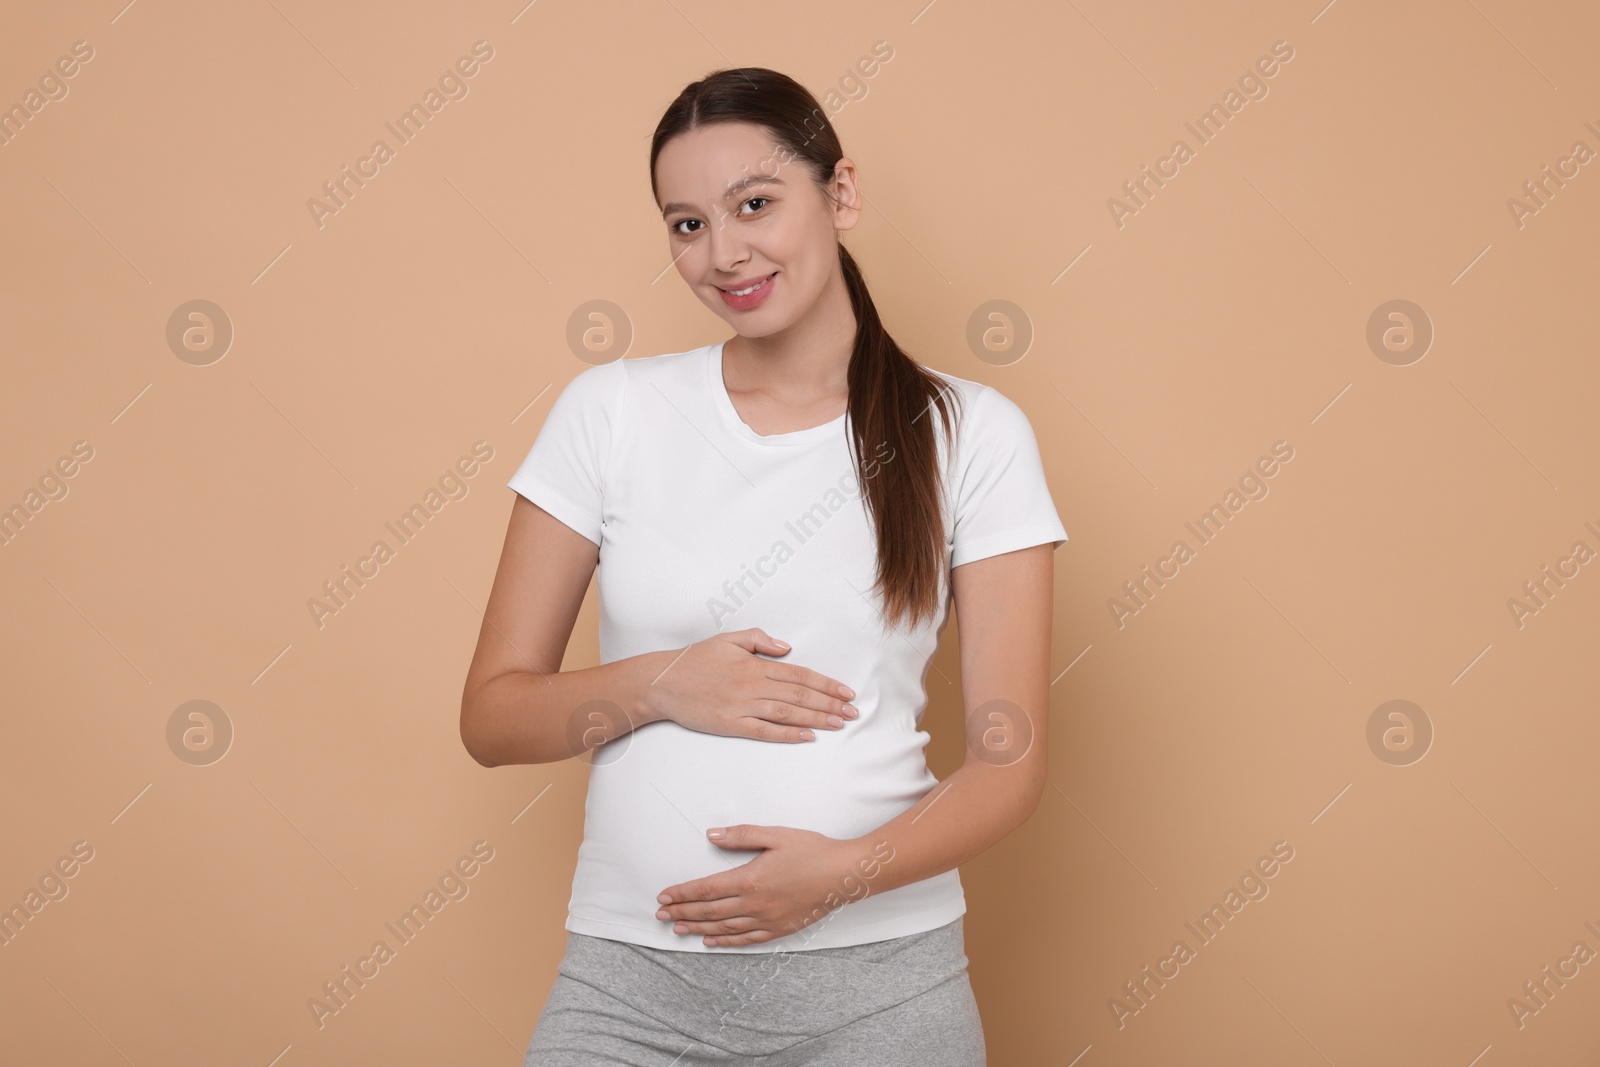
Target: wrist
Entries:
(864, 860)
(644, 709)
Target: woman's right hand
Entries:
(720, 686)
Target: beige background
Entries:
(1227, 313)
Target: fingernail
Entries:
(846, 692)
(780, 644)
(852, 710)
(715, 834)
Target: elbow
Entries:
(1033, 795)
(477, 752)
(1019, 787)
(483, 757)
(472, 742)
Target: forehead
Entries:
(701, 164)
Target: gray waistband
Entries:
(755, 1004)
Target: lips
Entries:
(735, 287)
(760, 288)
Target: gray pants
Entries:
(904, 1002)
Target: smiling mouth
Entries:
(747, 290)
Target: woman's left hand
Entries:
(800, 877)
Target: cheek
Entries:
(816, 251)
(814, 268)
(688, 263)
(691, 267)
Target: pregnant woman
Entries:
(779, 522)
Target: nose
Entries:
(728, 251)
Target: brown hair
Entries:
(889, 391)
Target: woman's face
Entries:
(739, 211)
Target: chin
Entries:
(748, 327)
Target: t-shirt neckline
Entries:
(730, 414)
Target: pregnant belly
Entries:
(654, 792)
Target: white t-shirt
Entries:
(705, 526)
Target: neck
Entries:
(803, 363)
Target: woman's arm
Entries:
(518, 705)
(1003, 616)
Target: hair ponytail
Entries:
(896, 453)
(889, 394)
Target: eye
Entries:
(674, 227)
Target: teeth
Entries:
(747, 292)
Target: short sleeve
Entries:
(564, 471)
(1001, 499)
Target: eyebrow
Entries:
(734, 188)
